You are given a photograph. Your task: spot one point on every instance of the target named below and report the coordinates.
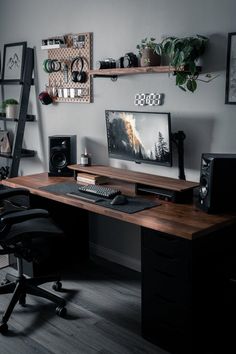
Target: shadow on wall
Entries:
(217, 49)
(97, 150)
(199, 132)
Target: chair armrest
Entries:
(11, 192)
(20, 216)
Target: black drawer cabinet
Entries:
(166, 290)
(185, 292)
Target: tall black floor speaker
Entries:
(217, 192)
(62, 152)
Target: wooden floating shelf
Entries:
(130, 71)
(114, 73)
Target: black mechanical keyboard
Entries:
(100, 191)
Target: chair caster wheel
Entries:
(5, 282)
(61, 311)
(3, 328)
(57, 286)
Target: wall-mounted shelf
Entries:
(53, 46)
(24, 153)
(29, 118)
(130, 71)
(114, 73)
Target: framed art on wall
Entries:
(230, 92)
(13, 61)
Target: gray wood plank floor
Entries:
(104, 315)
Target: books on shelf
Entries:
(91, 179)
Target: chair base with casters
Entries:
(19, 232)
(21, 286)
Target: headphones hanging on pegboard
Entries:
(78, 75)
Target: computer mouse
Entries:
(119, 200)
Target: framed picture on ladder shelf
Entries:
(13, 61)
(230, 92)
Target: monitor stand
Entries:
(178, 139)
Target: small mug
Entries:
(72, 92)
(60, 92)
(66, 92)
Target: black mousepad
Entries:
(133, 205)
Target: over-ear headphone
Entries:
(78, 76)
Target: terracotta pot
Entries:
(149, 58)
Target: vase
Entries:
(149, 58)
(12, 111)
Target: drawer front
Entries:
(166, 313)
(166, 267)
(164, 244)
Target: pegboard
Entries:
(66, 56)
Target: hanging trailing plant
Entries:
(183, 54)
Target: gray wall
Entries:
(118, 26)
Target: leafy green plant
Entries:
(149, 43)
(10, 101)
(183, 54)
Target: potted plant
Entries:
(11, 108)
(149, 52)
(183, 54)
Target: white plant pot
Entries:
(12, 111)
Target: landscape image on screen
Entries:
(139, 136)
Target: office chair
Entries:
(21, 231)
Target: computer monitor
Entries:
(139, 136)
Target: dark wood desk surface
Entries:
(182, 220)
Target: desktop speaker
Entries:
(217, 192)
(62, 152)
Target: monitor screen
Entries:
(139, 136)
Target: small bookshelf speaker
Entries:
(62, 152)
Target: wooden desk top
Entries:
(182, 220)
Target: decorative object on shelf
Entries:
(183, 53)
(5, 146)
(129, 60)
(151, 99)
(149, 52)
(11, 108)
(230, 92)
(4, 172)
(71, 82)
(107, 63)
(13, 61)
(45, 98)
(85, 159)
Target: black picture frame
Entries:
(13, 61)
(230, 88)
